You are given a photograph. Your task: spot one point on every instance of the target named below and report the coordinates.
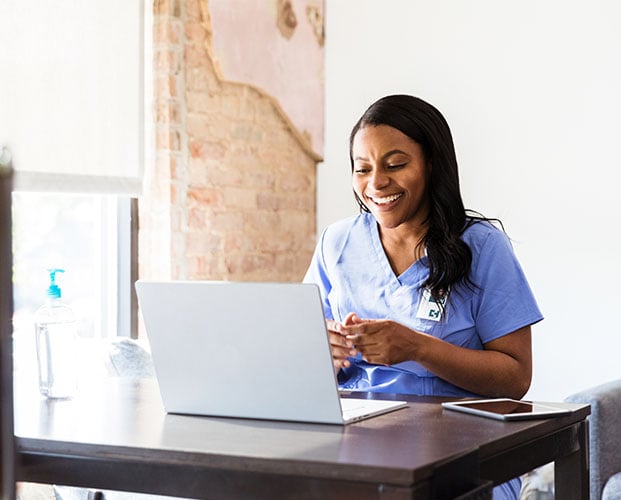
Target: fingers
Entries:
(343, 338)
(350, 319)
(340, 363)
(341, 347)
(365, 336)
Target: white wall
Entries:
(532, 91)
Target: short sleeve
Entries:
(503, 300)
(318, 274)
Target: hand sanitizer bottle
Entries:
(56, 338)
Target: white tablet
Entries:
(506, 409)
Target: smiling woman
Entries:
(420, 295)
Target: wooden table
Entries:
(115, 435)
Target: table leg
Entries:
(571, 472)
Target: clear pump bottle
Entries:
(56, 338)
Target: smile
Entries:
(385, 199)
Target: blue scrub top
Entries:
(354, 275)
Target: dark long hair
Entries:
(448, 255)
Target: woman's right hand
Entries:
(342, 348)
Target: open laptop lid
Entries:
(251, 350)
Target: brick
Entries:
(202, 243)
(195, 32)
(241, 265)
(177, 194)
(199, 79)
(168, 139)
(235, 198)
(204, 196)
(274, 242)
(261, 180)
(243, 171)
(166, 31)
(294, 181)
(195, 57)
(206, 150)
(165, 7)
(198, 173)
(197, 218)
(166, 59)
(229, 104)
(177, 167)
(292, 266)
(299, 221)
(260, 220)
(242, 131)
(165, 86)
(218, 174)
(286, 201)
(167, 112)
(298, 201)
(227, 220)
(193, 8)
(206, 267)
(197, 126)
(199, 102)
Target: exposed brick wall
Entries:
(232, 193)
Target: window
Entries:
(90, 237)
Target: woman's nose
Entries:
(379, 178)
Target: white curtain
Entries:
(72, 94)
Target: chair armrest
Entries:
(604, 432)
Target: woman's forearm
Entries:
(502, 369)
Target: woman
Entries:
(421, 296)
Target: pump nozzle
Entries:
(53, 291)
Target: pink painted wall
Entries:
(251, 48)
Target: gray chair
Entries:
(605, 438)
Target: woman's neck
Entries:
(403, 245)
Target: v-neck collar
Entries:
(382, 258)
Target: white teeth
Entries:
(385, 199)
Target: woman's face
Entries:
(390, 176)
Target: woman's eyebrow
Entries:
(393, 152)
(384, 156)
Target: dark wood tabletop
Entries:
(115, 434)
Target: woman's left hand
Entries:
(382, 341)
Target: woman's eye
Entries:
(395, 166)
(361, 170)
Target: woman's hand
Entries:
(342, 348)
(381, 342)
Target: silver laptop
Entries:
(249, 350)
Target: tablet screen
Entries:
(506, 409)
(502, 406)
